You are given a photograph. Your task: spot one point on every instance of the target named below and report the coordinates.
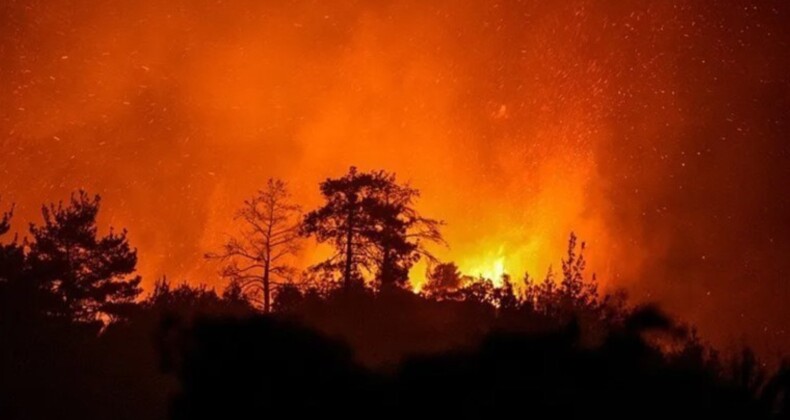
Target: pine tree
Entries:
(370, 220)
(90, 276)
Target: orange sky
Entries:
(657, 131)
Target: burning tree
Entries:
(370, 220)
(257, 257)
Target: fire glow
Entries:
(519, 122)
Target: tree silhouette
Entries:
(746, 371)
(18, 297)
(470, 344)
(90, 276)
(24, 298)
(370, 221)
(442, 280)
(12, 253)
(346, 222)
(574, 291)
(505, 296)
(270, 233)
(572, 294)
(186, 301)
(401, 232)
(5, 222)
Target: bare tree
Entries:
(256, 259)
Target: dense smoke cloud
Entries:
(656, 130)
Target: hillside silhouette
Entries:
(347, 336)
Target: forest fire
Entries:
(291, 118)
(657, 132)
(490, 269)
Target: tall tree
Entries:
(90, 275)
(401, 232)
(371, 222)
(343, 222)
(256, 258)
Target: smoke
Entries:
(656, 130)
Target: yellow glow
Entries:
(491, 267)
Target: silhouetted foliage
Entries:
(288, 298)
(23, 298)
(401, 232)
(572, 296)
(505, 296)
(5, 222)
(270, 234)
(188, 301)
(89, 274)
(466, 346)
(371, 222)
(12, 258)
(304, 374)
(775, 393)
(746, 372)
(573, 287)
(548, 374)
(442, 280)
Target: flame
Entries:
(518, 121)
(300, 94)
(490, 267)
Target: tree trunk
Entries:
(349, 250)
(266, 295)
(385, 271)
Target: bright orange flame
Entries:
(176, 126)
(518, 121)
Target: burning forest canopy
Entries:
(655, 130)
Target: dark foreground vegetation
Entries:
(345, 337)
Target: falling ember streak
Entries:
(644, 128)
